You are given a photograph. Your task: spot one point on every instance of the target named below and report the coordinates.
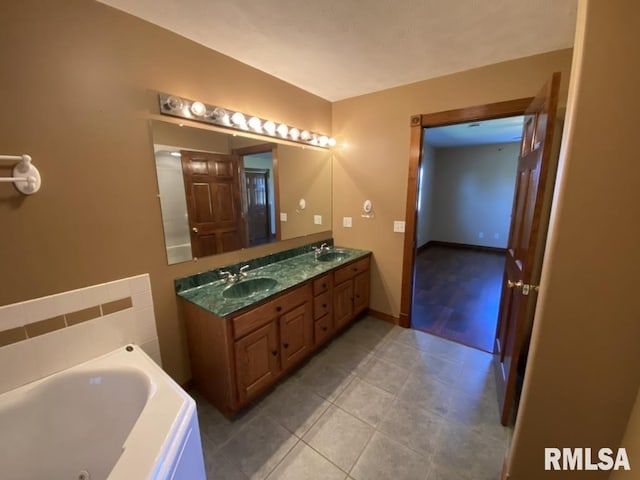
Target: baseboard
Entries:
(482, 248)
(188, 385)
(422, 248)
(383, 316)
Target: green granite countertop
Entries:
(289, 273)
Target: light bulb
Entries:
(314, 139)
(174, 103)
(198, 109)
(305, 135)
(283, 130)
(332, 142)
(239, 120)
(294, 133)
(219, 115)
(269, 127)
(255, 123)
(323, 140)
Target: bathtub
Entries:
(117, 417)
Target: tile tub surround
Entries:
(45, 335)
(345, 421)
(289, 273)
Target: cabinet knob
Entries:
(274, 353)
(355, 269)
(357, 296)
(324, 305)
(278, 308)
(324, 329)
(286, 345)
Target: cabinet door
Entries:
(342, 303)
(257, 361)
(296, 334)
(360, 292)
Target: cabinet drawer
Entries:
(323, 329)
(258, 316)
(321, 305)
(322, 284)
(349, 271)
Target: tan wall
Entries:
(582, 377)
(631, 443)
(304, 174)
(375, 164)
(78, 87)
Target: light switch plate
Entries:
(317, 219)
(346, 222)
(283, 217)
(398, 226)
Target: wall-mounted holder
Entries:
(302, 204)
(367, 209)
(26, 177)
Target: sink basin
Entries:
(332, 256)
(248, 287)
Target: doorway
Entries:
(259, 198)
(531, 208)
(465, 191)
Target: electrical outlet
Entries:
(283, 217)
(398, 226)
(346, 222)
(317, 219)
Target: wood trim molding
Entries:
(480, 112)
(450, 117)
(383, 316)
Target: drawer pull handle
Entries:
(274, 353)
(286, 345)
(278, 309)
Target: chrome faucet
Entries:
(318, 250)
(235, 277)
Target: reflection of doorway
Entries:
(258, 208)
(258, 166)
(465, 192)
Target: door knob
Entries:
(517, 284)
(194, 229)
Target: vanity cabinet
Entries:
(234, 359)
(350, 291)
(323, 308)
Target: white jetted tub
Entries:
(117, 417)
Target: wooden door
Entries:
(296, 334)
(213, 202)
(525, 244)
(257, 197)
(360, 292)
(257, 361)
(342, 303)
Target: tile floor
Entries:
(379, 402)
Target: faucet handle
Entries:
(228, 277)
(242, 271)
(324, 247)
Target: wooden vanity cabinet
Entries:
(235, 359)
(283, 338)
(350, 291)
(323, 308)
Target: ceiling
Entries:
(338, 49)
(501, 130)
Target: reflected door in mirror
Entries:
(213, 202)
(258, 218)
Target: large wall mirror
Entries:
(221, 192)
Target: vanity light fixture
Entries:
(211, 114)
